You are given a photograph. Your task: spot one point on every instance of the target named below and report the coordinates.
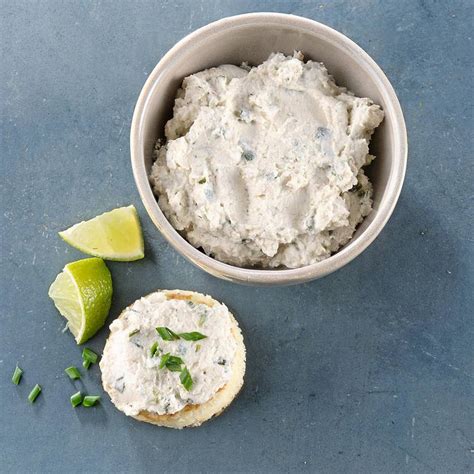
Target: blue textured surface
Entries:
(367, 370)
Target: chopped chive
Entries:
(175, 360)
(154, 349)
(174, 363)
(134, 332)
(90, 400)
(86, 364)
(191, 336)
(76, 399)
(202, 319)
(34, 393)
(164, 359)
(202, 181)
(186, 379)
(73, 373)
(17, 375)
(89, 355)
(198, 347)
(167, 334)
(173, 367)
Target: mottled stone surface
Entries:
(367, 370)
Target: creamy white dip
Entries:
(137, 383)
(263, 166)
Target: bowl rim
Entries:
(270, 276)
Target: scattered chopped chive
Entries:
(73, 373)
(34, 393)
(167, 334)
(17, 375)
(154, 349)
(174, 363)
(186, 379)
(134, 332)
(86, 364)
(202, 181)
(164, 359)
(76, 399)
(89, 355)
(198, 347)
(191, 336)
(175, 360)
(90, 400)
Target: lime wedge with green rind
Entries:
(82, 293)
(114, 235)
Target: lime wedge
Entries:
(114, 235)
(82, 293)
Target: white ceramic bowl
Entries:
(252, 37)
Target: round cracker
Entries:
(195, 415)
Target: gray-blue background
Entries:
(367, 370)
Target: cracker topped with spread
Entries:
(173, 358)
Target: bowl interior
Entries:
(252, 40)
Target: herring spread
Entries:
(263, 166)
